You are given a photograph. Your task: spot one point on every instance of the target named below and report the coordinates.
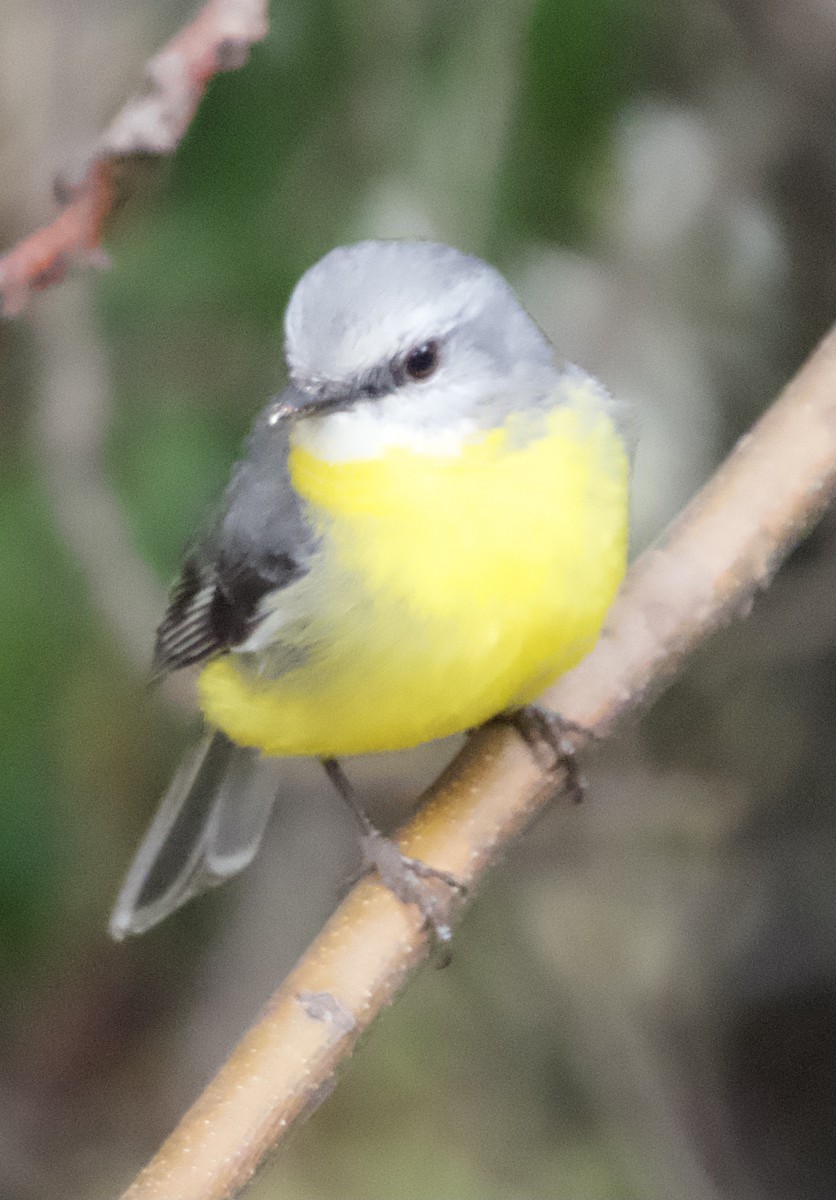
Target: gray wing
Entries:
(262, 541)
(208, 827)
(212, 818)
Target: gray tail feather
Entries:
(208, 827)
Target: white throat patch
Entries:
(371, 428)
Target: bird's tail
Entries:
(208, 827)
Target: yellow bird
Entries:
(427, 528)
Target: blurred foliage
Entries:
(34, 857)
(583, 63)
(662, 198)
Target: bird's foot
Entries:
(431, 890)
(552, 740)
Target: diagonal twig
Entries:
(153, 123)
(703, 572)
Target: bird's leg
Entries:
(544, 730)
(408, 878)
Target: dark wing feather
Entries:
(186, 634)
(261, 542)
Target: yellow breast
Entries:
(446, 590)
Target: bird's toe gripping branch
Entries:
(432, 891)
(552, 740)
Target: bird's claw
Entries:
(546, 731)
(411, 880)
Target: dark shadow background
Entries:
(642, 1000)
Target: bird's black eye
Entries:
(423, 361)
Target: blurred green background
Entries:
(642, 1000)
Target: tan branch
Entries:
(703, 572)
(217, 40)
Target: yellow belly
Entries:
(448, 589)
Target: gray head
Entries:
(406, 342)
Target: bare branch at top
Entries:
(152, 123)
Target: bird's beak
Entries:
(294, 403)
